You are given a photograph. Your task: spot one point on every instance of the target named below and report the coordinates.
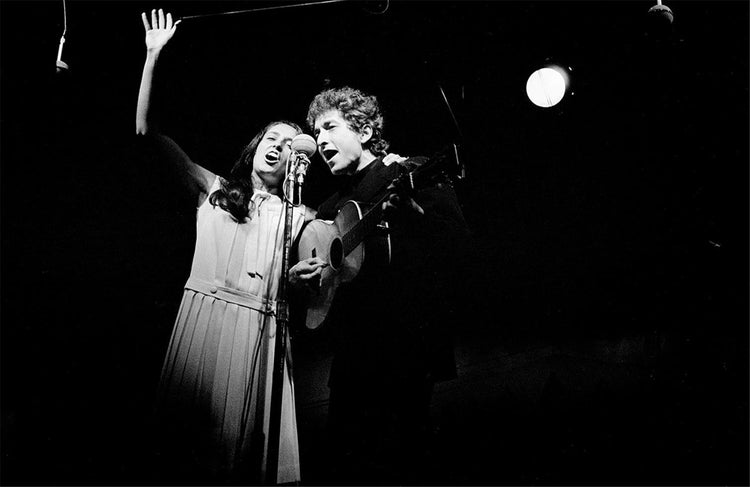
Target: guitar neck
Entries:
(365, 226)
(426, 171)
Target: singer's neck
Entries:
(365, 159)
(261, 185)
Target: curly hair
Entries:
(358, 109)
(235, 192)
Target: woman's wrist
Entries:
(153, 52)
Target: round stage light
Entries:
(546, 87)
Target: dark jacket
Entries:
(397, 319)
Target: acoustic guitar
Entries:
(358, 237)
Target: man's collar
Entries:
(357, 177)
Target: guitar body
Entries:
(328, 240)
(357, 241)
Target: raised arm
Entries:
(196, 178)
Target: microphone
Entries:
(303, 147)
(304, 144)
(60, 65)
(661, 14)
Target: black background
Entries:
(619, 216)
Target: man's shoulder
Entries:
(391, 159)
(412, 163)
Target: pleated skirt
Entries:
(215, 392)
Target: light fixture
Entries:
(546, 87)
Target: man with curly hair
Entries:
(391, 339)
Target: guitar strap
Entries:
(375, 183)
(369, 185)
(365, 186)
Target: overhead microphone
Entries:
(661, 13)
(60, 65)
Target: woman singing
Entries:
(215, 388)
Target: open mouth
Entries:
(329, 153)
(272, 157)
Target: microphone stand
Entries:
(294, 168)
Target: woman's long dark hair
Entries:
(234, 193)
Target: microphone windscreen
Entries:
(305, 144)
(662, 13)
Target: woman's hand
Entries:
(161, 29)
(307, 272)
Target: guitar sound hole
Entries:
(336, 254)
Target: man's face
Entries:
(339, 145)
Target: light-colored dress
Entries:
(217, 375)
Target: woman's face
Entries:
(269, 162)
